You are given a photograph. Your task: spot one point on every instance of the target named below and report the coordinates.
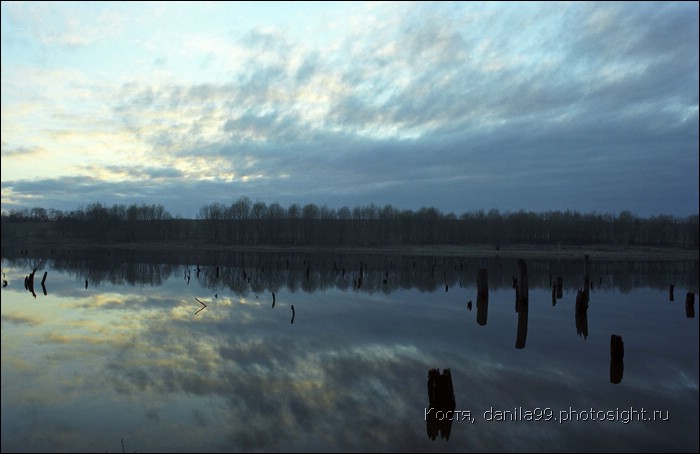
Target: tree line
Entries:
(244, 222)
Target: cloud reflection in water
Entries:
(81, 371)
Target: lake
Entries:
(144, 352)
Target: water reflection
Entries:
(441, 404)
(246, 272)
(131, 360)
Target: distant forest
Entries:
(246, 223)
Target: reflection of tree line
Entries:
(257, 272)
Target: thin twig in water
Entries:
(205, 306)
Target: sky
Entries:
(458, 106)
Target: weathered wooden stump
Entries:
(441, 400)
(554, 296)
(586, 277)
(521, 335)
(617, 355)
(690, 305)
(30, 283)
(482, 309)
(523, 297)
(582, 324)
(560, 287)
(482, 283)
(581, 302)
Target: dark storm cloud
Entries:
(525, 104)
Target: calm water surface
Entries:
(135, 358)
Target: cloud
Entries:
(20, 152)
(20, 320)
(395, 103)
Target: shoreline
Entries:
(526, 251)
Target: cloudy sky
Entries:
(459, 106)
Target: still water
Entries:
(300, 352)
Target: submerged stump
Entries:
(522, 295)
(690, 305)
(617, 355)
(560, 287)
(482, 282)
(441, 399)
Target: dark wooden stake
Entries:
(560, 287)
(523, 297)
(482, 282)
(482, 309)
(617, 355)
(690, 305)
(586, 277)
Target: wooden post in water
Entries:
(581, 302)
(586, 277)
(617, 354)
(521, 334)
(690, 305)
(482, 283)
(560, 287)
(30, 283)
(441, 402)
(582, 324)
(482, 309)
(554, 296)
(670, 292)
(43, 280)
(523, 297)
